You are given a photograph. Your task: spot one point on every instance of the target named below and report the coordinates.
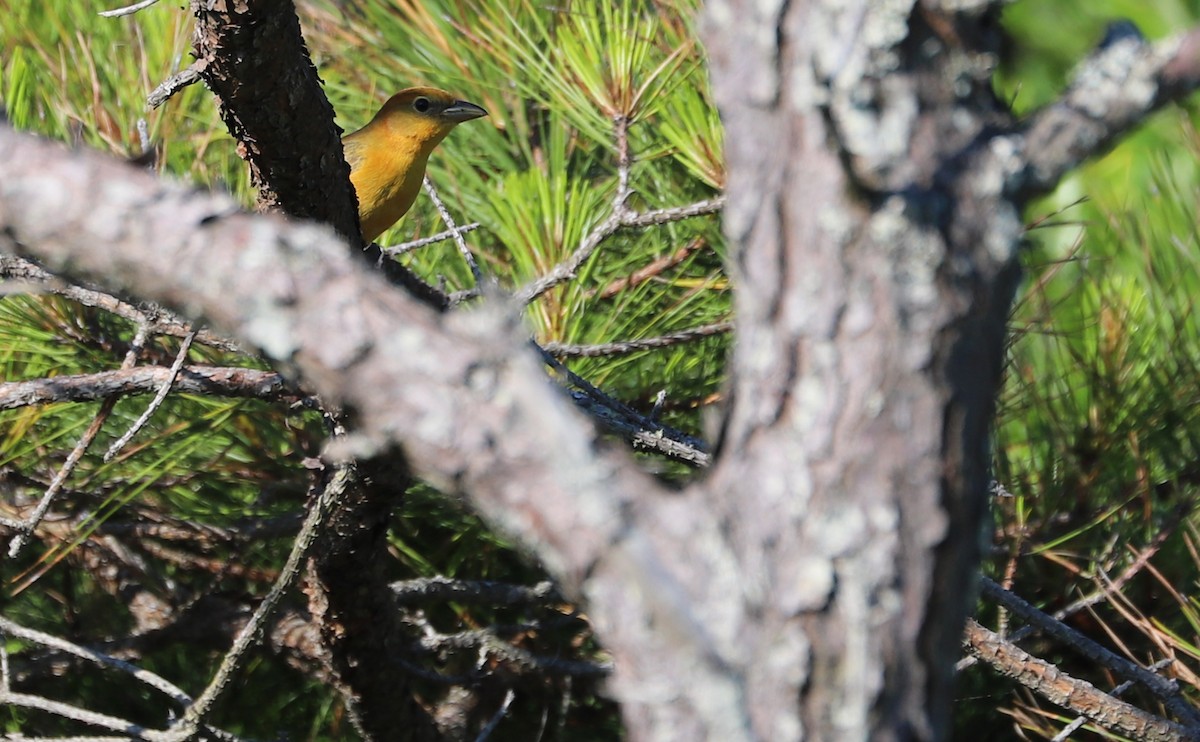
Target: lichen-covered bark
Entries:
(875, 266)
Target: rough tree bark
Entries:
(253, 57)
(875, 232)
(815, 584)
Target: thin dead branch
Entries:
(1071, 693)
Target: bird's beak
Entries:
(460, 111)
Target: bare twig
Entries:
(8, 628)
(660, 400)
(449, 234)
(624, 161)
(148, 158)
(565, 270)
(187, 76)
(455, 231)
(424, 590)
(1165, 690)
(5, 682)
(1070, 693)
(321, 505)
(563, 350)
(517, 659)
(500, 712)
(458, 297)
(157, 320)
(29, 526)
(155, 403)
(653, 269)
(128, 9)
(74, 713)
(85, 738)
(220, 566)
(620, 215)
(655, 217)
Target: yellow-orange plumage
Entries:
(387, 156)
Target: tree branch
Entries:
(252, 56)
(210, 380)
(1112, 92)
(480, 419)
(1165, 690)
(156, 320)
(1070, 693)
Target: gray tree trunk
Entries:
(874, 268)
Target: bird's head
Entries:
(427, 112)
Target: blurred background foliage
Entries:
(1097, 437)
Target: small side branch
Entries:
(173, 84)
(449, 234)
(212, 380)
(515, 659)
(620, 218)
(564, 350)
(1112, 92)
(1165, 690)
(654, 269)
(26, 276)
(321, 505)
(159, 398)
(128, 9)
(1063, 690)
(27, 528)
(457, 233)
(8, 628)
(437, 589)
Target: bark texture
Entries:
(876, 264)
(252, 56)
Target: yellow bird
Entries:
(387, 156)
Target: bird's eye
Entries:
(421, 105)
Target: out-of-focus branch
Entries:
(1112, 92)
(214, 380)
(479, 414)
